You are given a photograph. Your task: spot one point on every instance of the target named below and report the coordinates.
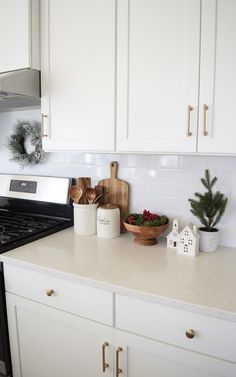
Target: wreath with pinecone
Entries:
(26, 131)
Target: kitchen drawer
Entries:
(212, 336)
(87, 302)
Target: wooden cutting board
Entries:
(118, 192)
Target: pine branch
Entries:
(221, 211)
(213, 182)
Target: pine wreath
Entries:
(16, 143)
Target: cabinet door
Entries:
(46, 342)
(217, 124)
(78, 74)
(139, 357)
(157, 75)
(19, 37)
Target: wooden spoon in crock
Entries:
(90, 195)
(75, 193)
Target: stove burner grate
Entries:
(17, 226)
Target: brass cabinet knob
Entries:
(49, 292)
(190, 333)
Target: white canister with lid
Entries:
(108, 221)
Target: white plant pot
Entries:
(209, 241)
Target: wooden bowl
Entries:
(146, 235)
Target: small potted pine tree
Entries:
(208, 208)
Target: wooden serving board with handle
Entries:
(118, 192)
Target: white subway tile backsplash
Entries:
(95, 159)
(105, 159)
(226, 163)
(56, 158)
(193, 162)
(225, 178)
(227, 235)
(153, 161)
(147, 175)
(162, 183)
(163, 204)
(88, 171)
(73, 158)
(128, 174)
(164, 190)
(177, 176)
(187, 191)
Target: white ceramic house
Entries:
(188, 241)
(172, 238)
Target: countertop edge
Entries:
(116, 289)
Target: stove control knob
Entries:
(49, 292)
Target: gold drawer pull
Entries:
(205, 110)
(118, 370)
(104, 364)
(49, 292)
(189, 130)
(43, 132)
(190, 333)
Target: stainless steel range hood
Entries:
(19, 88)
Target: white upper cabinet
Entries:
(157, 75)
(19, 37)
(78, 74)
(217, 122)
(138, 75)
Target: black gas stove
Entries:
(31, 207)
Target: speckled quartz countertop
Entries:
(205, 284)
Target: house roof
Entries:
(191, 232)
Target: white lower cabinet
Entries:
(57, 330)
(46, 342)
(142, 357)
(157, 340)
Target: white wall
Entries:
(160, 183)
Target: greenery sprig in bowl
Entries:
(146, 219)
(146, 226)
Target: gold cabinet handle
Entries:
(49, 292)
(205, 110)
(104, 364)
(118, 370)
(189, 130)
(190, 333)
(43, 116)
